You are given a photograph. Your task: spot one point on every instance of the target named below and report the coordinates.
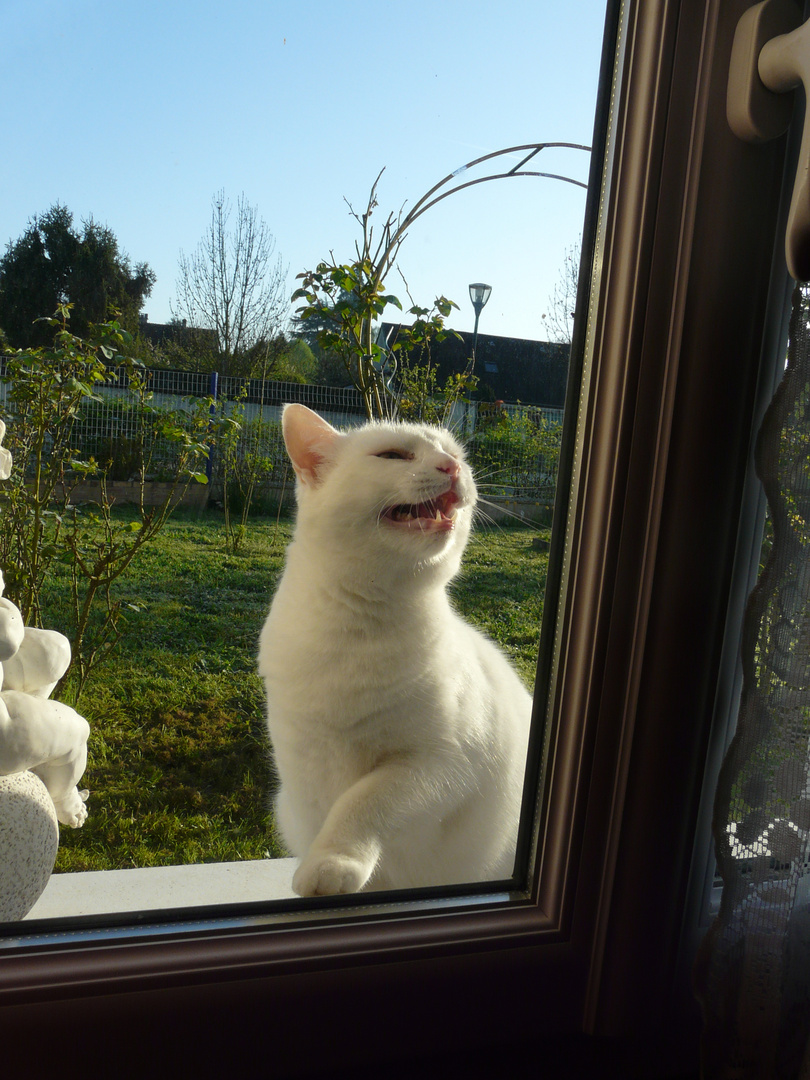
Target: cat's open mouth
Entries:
(435, 515)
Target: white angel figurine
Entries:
(36, 734)
(43, 736)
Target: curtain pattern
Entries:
(753, 974)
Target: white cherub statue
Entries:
(42, 736)
(45, 737)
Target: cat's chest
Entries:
(325, 758)
(312, 637)
(358, 703)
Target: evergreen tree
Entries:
(53, 263)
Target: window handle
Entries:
(769, 58)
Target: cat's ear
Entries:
(309, 440)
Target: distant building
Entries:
(508, 369)
(159, 333)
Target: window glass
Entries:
(214, 118)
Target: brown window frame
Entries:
(688, 230)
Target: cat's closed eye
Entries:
(392, 455)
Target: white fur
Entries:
(399, 731)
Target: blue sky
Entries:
(135, 113)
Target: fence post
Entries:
(470, 419)
(213, 387)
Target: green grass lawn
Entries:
(179, 768)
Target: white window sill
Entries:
(105, 892)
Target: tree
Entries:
(559, 319)
(344, 300)
(233, 285)
(329, 367)
(49, 391)
(347, 298)
(284, 360)
(53, 264)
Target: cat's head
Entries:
(397, 492)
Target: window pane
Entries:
(300, 120)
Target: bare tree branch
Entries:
(233, 283)
(558, 320)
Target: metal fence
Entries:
(513, 447)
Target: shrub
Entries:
(518, 452)
(47, 388)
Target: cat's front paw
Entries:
(71, 810)
(329, 874)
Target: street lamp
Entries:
(479, 294)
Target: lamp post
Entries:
(479, 294)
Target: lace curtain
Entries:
(754, 971)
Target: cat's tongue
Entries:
(436, 515)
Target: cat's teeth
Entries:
(429, 511)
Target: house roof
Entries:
(508, 369)
(157, 333)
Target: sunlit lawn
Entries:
(179, 767)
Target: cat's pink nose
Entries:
(450, 466)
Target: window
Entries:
(506, 194)
(686, 243)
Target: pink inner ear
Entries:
(307, 437)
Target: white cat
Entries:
(399, 731)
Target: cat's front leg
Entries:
(331, 873)
(345, 853)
